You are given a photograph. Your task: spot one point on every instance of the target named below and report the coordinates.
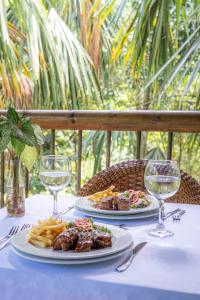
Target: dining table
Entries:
(166, 268)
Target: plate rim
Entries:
(69, 262)
(134, 217)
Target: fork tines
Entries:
(176, 218)
(25, 226)
(14, 230)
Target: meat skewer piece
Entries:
(101, 239)
(84, 243)
(65, 240)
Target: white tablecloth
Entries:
(165, 269)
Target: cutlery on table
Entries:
(25, 226)
(66, 210)
(177, 217)
(12, 232)
(124, 266)
(171, 213)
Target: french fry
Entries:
(38, 243)
(54, 227)
(102, 194)
(40, 238)
(44, 233)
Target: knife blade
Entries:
(124, 266)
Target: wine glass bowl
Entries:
(162, 180)
(54, 175)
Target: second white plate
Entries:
(145, 215)
(82, 203)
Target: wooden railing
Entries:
(138, 121)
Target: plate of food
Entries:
(80, 239)
(114, 203)
(133, 217)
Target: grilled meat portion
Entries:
(122, 203)
(65, 240)
(114, 203)
(106, 203)
(101, 239)
(84, 243)
(81, 239)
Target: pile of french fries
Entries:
(106, 193)
(45, 232)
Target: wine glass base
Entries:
(160, 233)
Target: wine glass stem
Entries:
(55, 208)
(160, 224)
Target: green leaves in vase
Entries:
(20, 137)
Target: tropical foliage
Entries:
(20, 137)
(54, 54)
(42, 63)
(103, 54)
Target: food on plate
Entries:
(138, 199)
(101, 239)
(122, 203)
(45, 232)
(106, 203)
(119, 201)
(81, 235)
(84, 243)
(66, 239)
(103, 194)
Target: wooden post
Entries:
(2, 178)
(139, 138)
(170, 145)
(53, 141)
(80, 137)
(108, 147)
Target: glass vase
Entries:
(15, 190)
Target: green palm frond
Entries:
(146, 37)
(36, 43)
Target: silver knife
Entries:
(124, 266)
(66, 210)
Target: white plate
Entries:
(82, 203)
(121, 240)
(70, 262)
(144, 215)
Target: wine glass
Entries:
(55, 176)
(162, 180)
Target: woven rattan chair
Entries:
(130, 175)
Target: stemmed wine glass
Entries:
(162, 180)
(55, 176)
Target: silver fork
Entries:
(25, 226)
(177, 217)
(14, 231)
(171, 213)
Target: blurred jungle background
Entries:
(103, 55)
